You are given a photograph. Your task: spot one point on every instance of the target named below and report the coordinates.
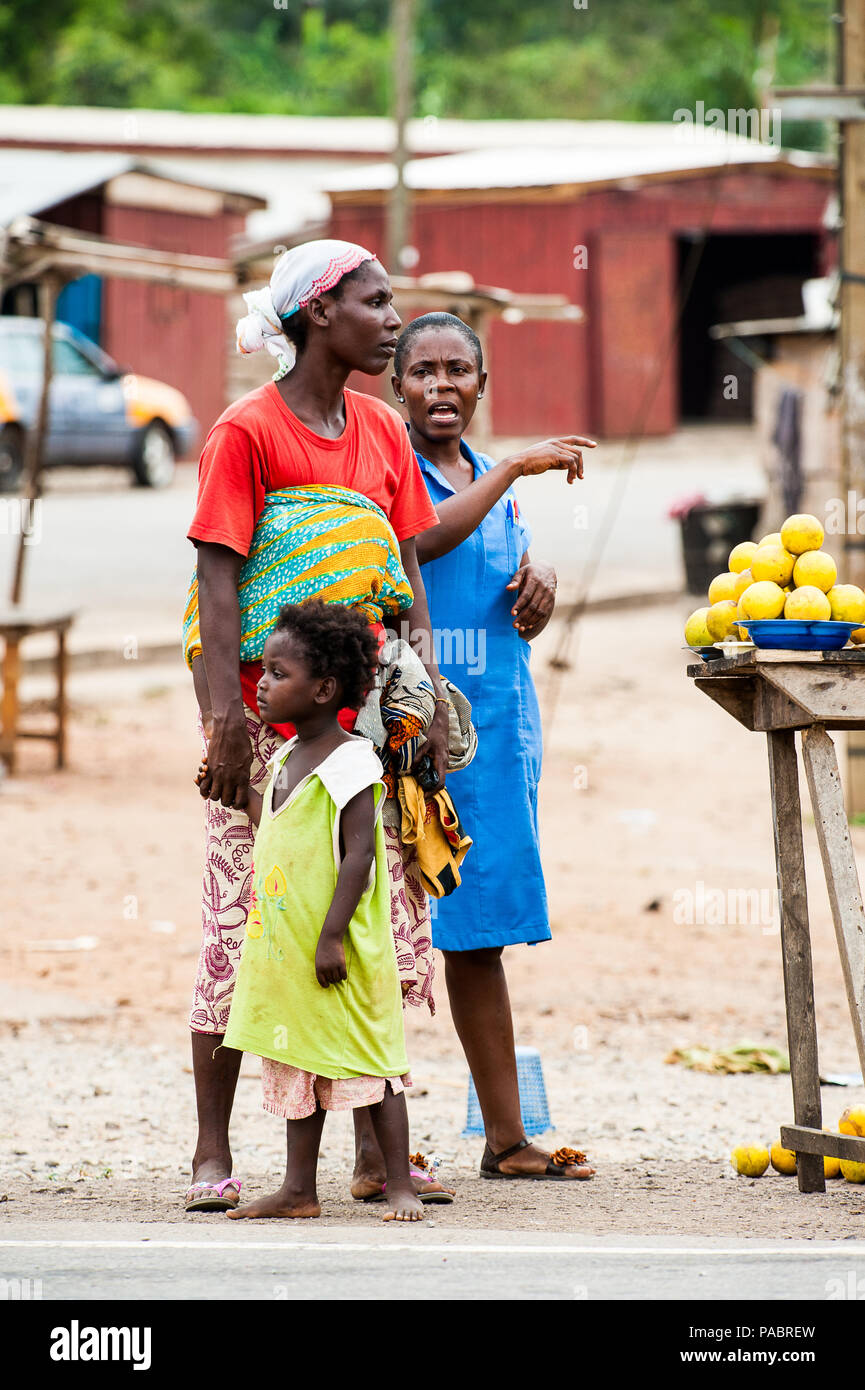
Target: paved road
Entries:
(94, 1260)
(121, 555)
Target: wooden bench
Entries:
(778, 692)
(15, 626)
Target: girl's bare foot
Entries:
(282, 1203)
(402, 1203)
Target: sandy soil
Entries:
(648, 791)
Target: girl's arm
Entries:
(536, 597)
(357, 832)
(461, 514)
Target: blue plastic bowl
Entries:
(783, 634)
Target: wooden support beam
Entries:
(803, 1140)
(796, 947)
(735, 694)
(839, 865)
(49, 288)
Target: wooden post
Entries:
(839, 864)
(399, 205)
(9, 708)
(481, 430)
(61, 697)
(851, 71)
(49, 286)
(796, 947)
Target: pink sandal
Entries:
(211, 1195)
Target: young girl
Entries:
(318, 996)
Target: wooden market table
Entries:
(776, 693)
(15, 626)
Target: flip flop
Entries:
(211, 1195)
(426, 1198)
(554, 1171)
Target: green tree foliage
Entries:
(612, 59)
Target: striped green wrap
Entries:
(311, 542)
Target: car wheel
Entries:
(154, 460)
(11, 458)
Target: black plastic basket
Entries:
(709, 532)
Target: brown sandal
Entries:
(554, 1171)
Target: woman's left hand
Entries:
(436, 744)
(536, 597)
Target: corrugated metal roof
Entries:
(33, 180)
(111, 127)
(673, 149)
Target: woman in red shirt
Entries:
(327, 312)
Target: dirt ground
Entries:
(649, 790)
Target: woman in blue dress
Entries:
(487, 601)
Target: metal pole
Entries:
(399, 205)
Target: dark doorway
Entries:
(737, 277)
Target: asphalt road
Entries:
(93, 1260)
(120, 554)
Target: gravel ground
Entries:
(648, 791)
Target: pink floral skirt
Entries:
(295, 1094)
(226, 892)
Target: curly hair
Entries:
(435, 320)
(336, 641)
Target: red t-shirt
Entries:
(259, 445)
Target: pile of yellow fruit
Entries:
(785, 575)
(752, 1160)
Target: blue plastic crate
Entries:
(534, 1106)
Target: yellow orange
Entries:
(807, 604)
(817, 568)
(723, 586)
(847, 602)
(746, 579)
(772, 562)
(801, 532)
(741, 556)
(763, 600)
(721, 619)
(696, 632)
(750, 1160)
(783, 1160)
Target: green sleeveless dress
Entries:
(279, 1010)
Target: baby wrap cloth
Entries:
(311, 542)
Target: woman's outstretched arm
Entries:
(461, 514)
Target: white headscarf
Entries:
(298, 276)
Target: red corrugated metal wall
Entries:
(618, 369)
(178, 336)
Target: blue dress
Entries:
(502, 899)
